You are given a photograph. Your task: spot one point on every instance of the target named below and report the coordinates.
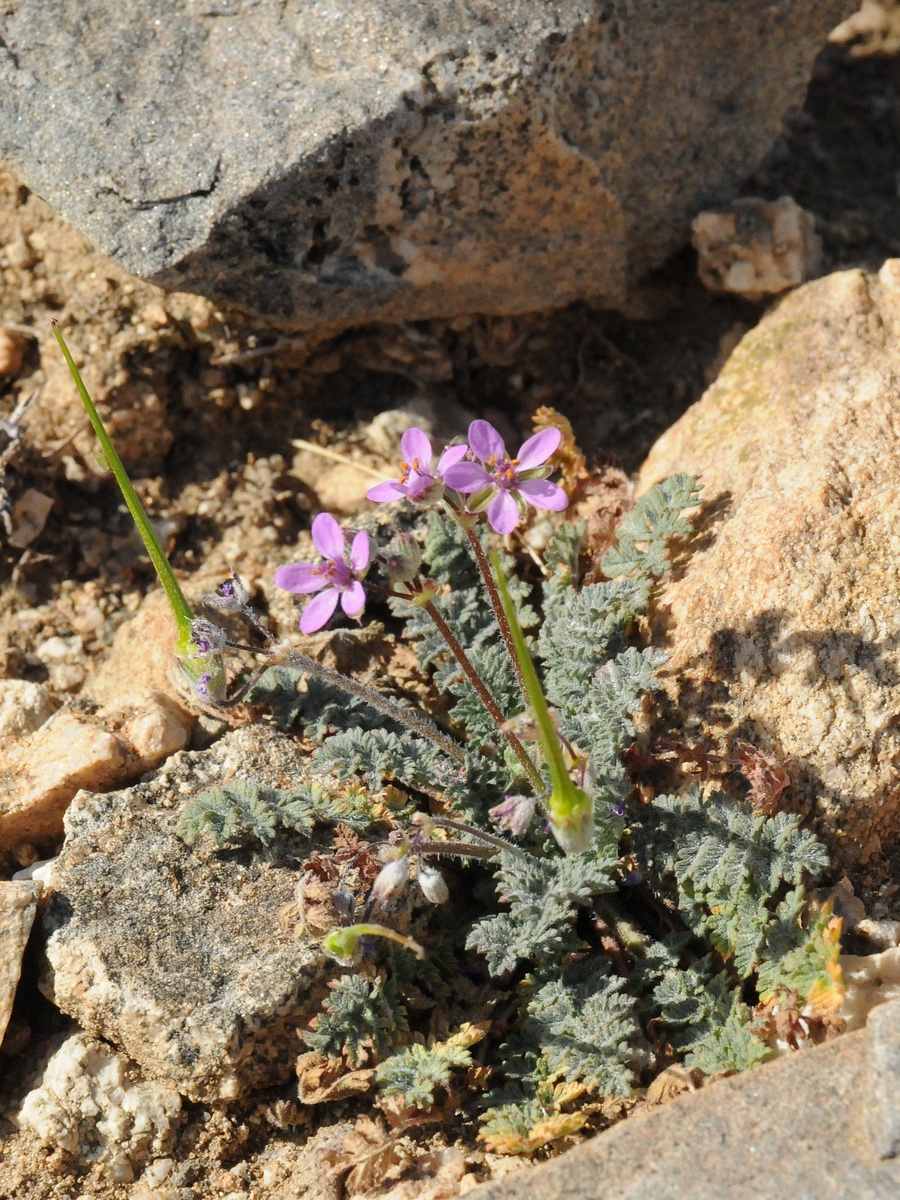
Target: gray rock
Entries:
(884, 1079)
(18, 905)
(180, 956)
(340, 161)
(793, 1129)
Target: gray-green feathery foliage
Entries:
(736, 878)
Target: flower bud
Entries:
(402, 559)
(514, 814)
(231, 596)
(433, 885)
(207, 638)
(391, 881)
(427, 590)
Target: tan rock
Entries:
(756, 248)
(783, 625)
(40, 774)
(156, 727)
(18, 904)
(24, 707)
(141, 656)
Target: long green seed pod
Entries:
(570, 808)
(205, 672)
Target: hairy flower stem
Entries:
(485, 697)
(482, 835)
(413, 720)
(456, 849)
(497, 606)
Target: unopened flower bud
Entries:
(391, 880)
(514, 814)
(402, 559)
(426, 591)
(433, 885)
(231, 596)
(344, 903)
(207, 638)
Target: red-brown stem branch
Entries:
(485, 697)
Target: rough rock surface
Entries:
(91, 1102)
(24, 707)
(756, 248)
(40, 774)
(18, 905)
(179, 955)
(792, 1128)
(783, 625)
(356, 159)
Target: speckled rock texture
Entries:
(178, 956)
(18, 905)
(783, 626)
(794, 1129)
(346, 160)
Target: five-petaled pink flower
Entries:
(505, 485)
(418, 477)
(337, 576)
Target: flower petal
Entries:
(384, 493)
(467, 477)
(485, 442)
(503, 514)
(451, 456)
(353, 599)
(300, 578)
(360, 552)
(416, 445)
(418, 484)
(318, 612)
(538, 448)
(328, 537)
(543, 494)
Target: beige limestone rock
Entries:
(24, 707)
(783, 626)
(152, 726)
(141, 655)
(18, 904)
(92, 1103)
(756, 248)
(40, 774)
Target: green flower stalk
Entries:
(569, 806)
(198, 644)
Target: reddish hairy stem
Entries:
(485, 697)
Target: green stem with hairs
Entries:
(569, 806)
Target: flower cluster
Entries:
(474, 476)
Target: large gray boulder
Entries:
(342, 160)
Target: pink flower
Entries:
(505, 485)
(337, 576)
(417, 476)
